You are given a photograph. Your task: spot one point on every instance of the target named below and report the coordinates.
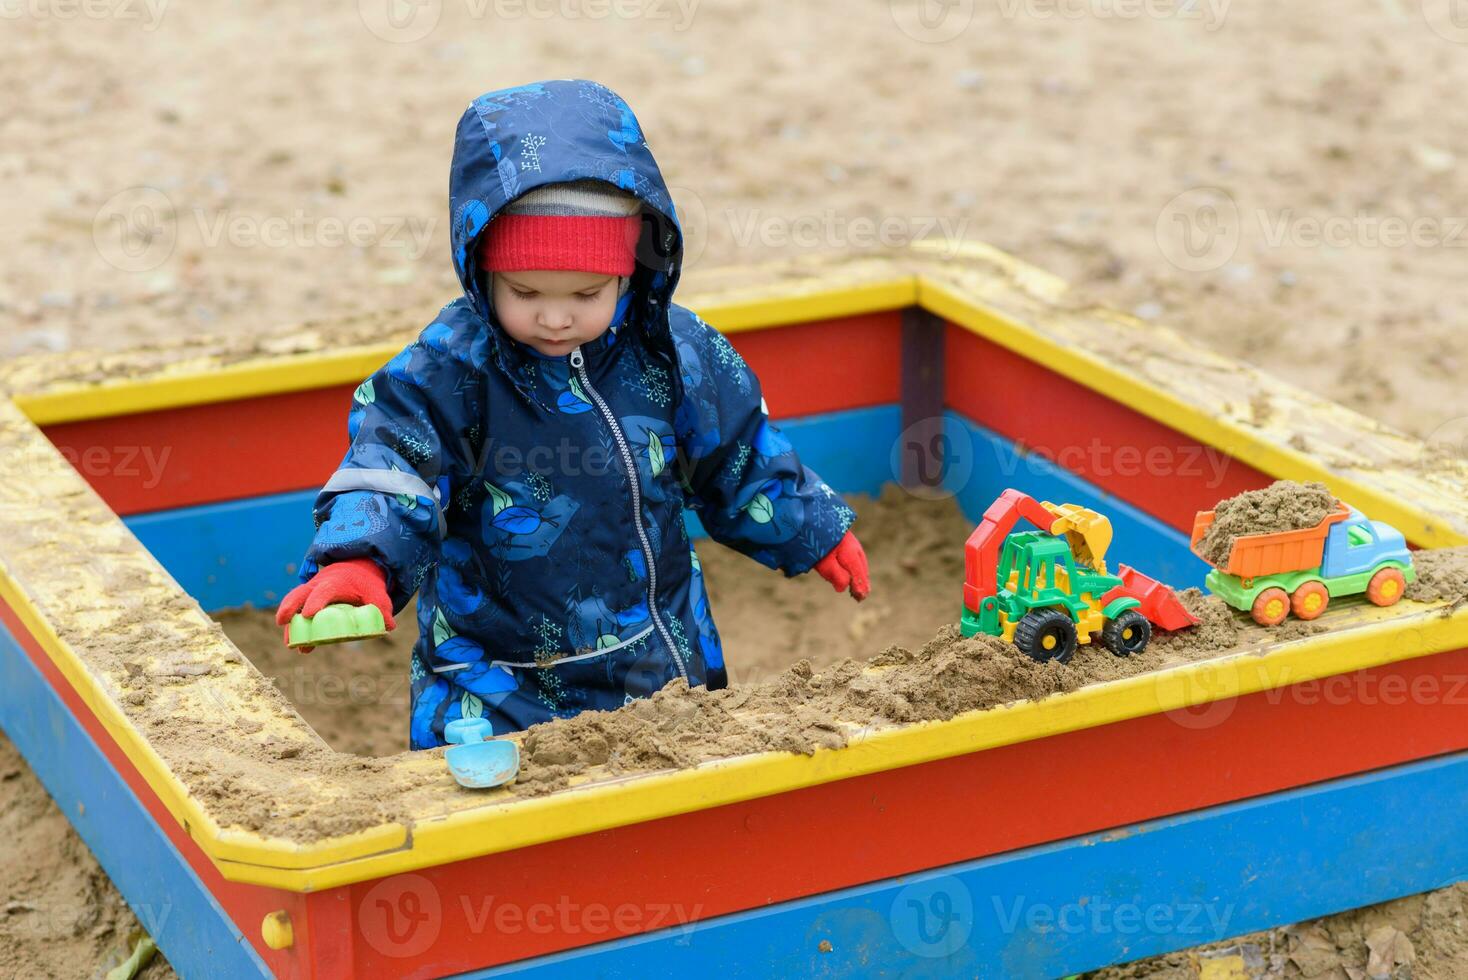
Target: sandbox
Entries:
(1291, 775)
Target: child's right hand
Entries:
(359, 582)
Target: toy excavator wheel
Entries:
(1127, 634)
(1309, 600)
(1271, 607)
(1386, 586)
(1046, 634)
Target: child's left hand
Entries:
(846, 565)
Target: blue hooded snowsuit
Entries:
(536, 503)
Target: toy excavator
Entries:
(1049, 589)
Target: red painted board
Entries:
(569, 893)
(200, 454)
(663, 873)
(197, 454)
(247, 905)
(1120, 450)
(827, 365)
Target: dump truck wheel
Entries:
(1127, 634)
(1386, 586)
(1046, 634)
(1271, 607)
(1309, 600)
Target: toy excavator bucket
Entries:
(1159, 603)
(1087, 532)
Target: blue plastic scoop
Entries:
(477, 760)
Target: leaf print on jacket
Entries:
(564, 579)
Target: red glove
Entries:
(846, 565)
(359, 582)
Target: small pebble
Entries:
(969, 79)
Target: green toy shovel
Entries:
(337, 623)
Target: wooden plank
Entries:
(1091, 901)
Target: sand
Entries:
(60, 915)
(1441, 574)
(1421, 937)
(1065, 139)
(1284, 505)
(1072, 142)
(802, 661)
(356, 695)
(811, 669)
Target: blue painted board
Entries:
(171, 902)
(983, 464)
(1087, 902)
(244, 552)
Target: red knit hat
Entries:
(580, 225)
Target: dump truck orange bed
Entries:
(1269, 554)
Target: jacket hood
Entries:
(514, 140)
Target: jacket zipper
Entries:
(578, 361)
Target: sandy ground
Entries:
(1280, 180)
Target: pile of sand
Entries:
(1441, 574)
(1421, 936)
(803, 709)
(1284, 505)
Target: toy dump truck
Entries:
(1048, 590)
(1273, 575)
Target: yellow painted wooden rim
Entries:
(1391, 635)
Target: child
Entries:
(524, 465)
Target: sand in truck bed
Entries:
(1284, 505)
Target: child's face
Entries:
(553, 311)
